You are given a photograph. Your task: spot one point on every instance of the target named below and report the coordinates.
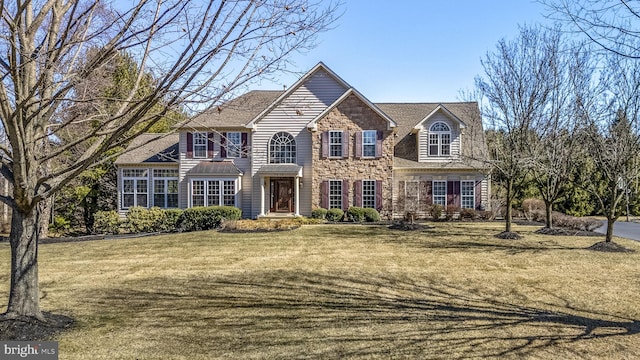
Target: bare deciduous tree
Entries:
(614, 25)
(611, 136)
(198, 52)
(555, 146)
(516, 86)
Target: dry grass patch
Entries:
(347, 291)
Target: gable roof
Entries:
(319, 67)
(409, 116)
(443, 109)
(144, 150)
(236, 112)
(390, 123)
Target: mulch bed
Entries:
(509, 235)
(34, 330)
(609, 247)
(407, 226)
(566, 232)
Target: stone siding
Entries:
(353, 116)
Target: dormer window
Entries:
(439, 139)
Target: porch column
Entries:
(297, 195)
(262, 196)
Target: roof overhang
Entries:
(215, 168)
(320, 66)
(313, 125)
(439, 108)
(280, 170)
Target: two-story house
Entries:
(320, 143)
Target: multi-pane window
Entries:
(468, 196)
(439, 140)
(165, 188)
(440, 193)
(369, 138)
(369, 194)
(135, 188)
(282, 149)
(197, 193)
(335, 144)
(234, 144)
(335, 194)
(229, 194)
(213, 192)
(200, 145)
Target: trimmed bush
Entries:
(206, 218)
(467, 214)
(371, 215)
(319, 214)
(106, 222)
(171, 217)
(435, 211)
(355, 214)
(450, 212)
(143, 220)
(335, 215)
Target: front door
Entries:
(282, 195)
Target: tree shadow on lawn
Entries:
(313, 315)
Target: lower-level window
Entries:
(468, 194)
(165, 188)
(440, 193)
(369, 194)
(213, 192)
(135, 188)
(335, 194)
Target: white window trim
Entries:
(375, 140)
(234, 150)
(135, 186)
(196, 144)
(339, 145)
(236, 185)
(166, 180)
(374, 193)
(439, 135)
(433, 192)
(472, 196)
(340, 195)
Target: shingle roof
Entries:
(280, 169)
(236, 112)
(215, 168)
(144, 149)
(408, 115)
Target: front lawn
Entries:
(343, 291)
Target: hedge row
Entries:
(354, 214)
(142, 220)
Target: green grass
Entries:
(346, 291)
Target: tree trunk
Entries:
(507, 215)
(609, 235)
(24, 296)
(548, 212)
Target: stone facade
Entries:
(353, 115)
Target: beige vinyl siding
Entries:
(292, 115)
(186, 164)
(423, 139)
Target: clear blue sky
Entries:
(414, 51)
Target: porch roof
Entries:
(280, 170)
(215, 168)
